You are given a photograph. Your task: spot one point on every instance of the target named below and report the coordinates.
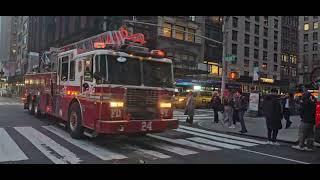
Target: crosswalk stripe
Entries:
(9, 104)
(217, 138)
(9, 150)
(222, 135)
(214, 143)
(196, 115)
(174, 149)
(95, 150)
(46, 145)
(148, 152)
(185, 143)
(195, 118)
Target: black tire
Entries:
(75, 121)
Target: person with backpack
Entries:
(216, 106)
(241, 106)
(271, 108)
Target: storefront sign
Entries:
(266, 80)
(254, 102)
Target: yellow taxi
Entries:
(202, 99)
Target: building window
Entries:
(265, 55)
(256, 41)
(167, 29)
(275, 46)
(246, 39)
(265, 43)
(294, 72)
(275, 35)
(294, 59)
(305, 48)
(247, 26)
(315, 25)
(72, 70)
(315, 47)
(246, 73)
(180, 32)
(256, 64)
(306, 26)
(246, 51)
(234, 49)
(257, 18)
(314, 57)
(256, 29)
(256, 53)
(235, 22)
(246, 63)
(192, 18)
(276, 22)
(265, 20)
(191, 35)
(306, 18)
(284, 58)
(265, 66)
(305, 58)
(275, 68)
(265, 32)
(305, 37)
(234, 35)
(305, 68)
(315, 36)
(275, 57)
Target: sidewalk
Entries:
(257, 128)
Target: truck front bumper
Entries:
(135, 126)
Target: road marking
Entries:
(214, 143)
(95, 150)
(196, 115)
(185, 143)
(46, 145)
(148, 152)
(174, 149)
(217, 138)
(270, 155)
(222, 135)
(9, 150)
(9, 104)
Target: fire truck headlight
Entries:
(116, 104)
(165, 105)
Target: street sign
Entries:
(230, 57)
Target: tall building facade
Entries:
(22, 44)
(289, 52)
(308, 47)
(255, 41)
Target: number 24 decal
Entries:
(146, 126)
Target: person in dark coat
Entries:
(216, 105)
(308, 118)
(272, 111)
(240, 107)
(287, 108)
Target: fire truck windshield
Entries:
(157, 74)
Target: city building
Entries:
(255, 42)
(22, 44)
(308, 47)
(289, 52)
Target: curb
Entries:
(247, 135)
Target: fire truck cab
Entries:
(105, 91)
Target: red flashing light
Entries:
(99, 45)
(158, 53)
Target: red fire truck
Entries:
(107, 84)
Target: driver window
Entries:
(88, 66)
(64, 68)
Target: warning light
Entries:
(158, 53)
(99, 45)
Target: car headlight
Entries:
(165, 105)
(116, 104)
(181, 99)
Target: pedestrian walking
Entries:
(228, 110)
(189, 110)
(306, 128)
(287, 108)
(272, 111)
(241, 106)
(216, 106)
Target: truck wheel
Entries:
(75, 122)
(31, 107)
